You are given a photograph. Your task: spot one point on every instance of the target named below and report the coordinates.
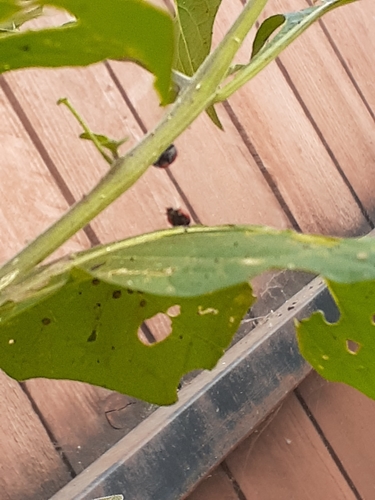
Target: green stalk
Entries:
(193, 100)
(292, 29)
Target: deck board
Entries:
(346, 419)
(269, 167)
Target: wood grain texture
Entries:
(69, 407)
(217, 486)
(30, 466)
(141, 209)
(351, 30)
(287, 461)
(214, 168)
(346, 418)
(332, 103)
(30, 201)
(291, 150)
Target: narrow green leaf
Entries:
(116, 29)
(344, 351)
(295, 24)
(111, 144)
(265, 31)
(194, 25)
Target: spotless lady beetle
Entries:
(167, 157)
(176, 217)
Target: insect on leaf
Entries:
(79, 317)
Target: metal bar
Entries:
(166, 455)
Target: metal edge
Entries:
(167, 454)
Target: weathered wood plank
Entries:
(287, 460)
(346, 418)
(30, 466)
(331, 102)
(141, 209)
(291, 150)
(217, 486)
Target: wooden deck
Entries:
(298, 151)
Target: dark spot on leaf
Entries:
(181, 337)
(97, 266)
(98, 304)
(92, 336)
(116, 294)
(131, 259)
(79, 293)
(98, 362)
(95, 282)
(130, 291)
(46, 321)
(235, 244)
(113, 348)
(25, 48)
(290, 308)
(139, 292)
(142, 303)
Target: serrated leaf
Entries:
(265, 30)
(194, 25)
(344, 351)
(116, 29)
(111, 144)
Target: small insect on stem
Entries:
(167, 157)
(176, 217)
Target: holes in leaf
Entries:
(352, 346)
(174, 311)
(160, 326)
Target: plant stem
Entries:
(291, 30)
(194, 99)
(86, 128)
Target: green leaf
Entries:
(78, 317)
(9, 9)
(111, 144)
(265, 31)
(83, 328)
(295, 24)
(194, 25)
(19, 17)
(344, 351)
(114, 29)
